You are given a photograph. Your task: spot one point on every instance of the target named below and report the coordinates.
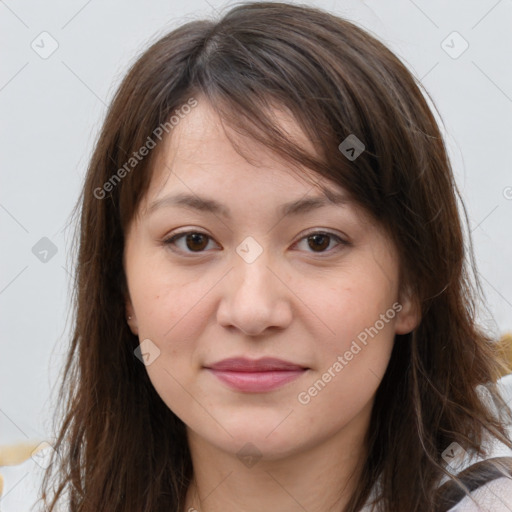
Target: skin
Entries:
(298, 301)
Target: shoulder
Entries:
(495, 496)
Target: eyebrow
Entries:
(205, 204)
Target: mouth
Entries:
(256, 376)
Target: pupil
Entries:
(316, 237)
(193, 237)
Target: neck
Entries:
(320, 478)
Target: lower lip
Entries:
(257, 382)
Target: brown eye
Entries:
(319, 241)
(194, 241)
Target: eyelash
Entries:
(342, 243)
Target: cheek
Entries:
(357, 336)
(168, 301)
(170, 309)
(350, 368)
(172, 314)
(351, 306)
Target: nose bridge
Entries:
(252, 267)
(252, 299)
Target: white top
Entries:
(494, 496)
(22, 482)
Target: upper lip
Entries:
(266, 364)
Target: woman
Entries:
(274, 309)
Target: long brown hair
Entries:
(120, 447)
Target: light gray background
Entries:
(51, 111)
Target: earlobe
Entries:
(409, 317)
(131, 319)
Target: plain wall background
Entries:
(52, 109)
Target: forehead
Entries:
(203, 124)
(201, 153)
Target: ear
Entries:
(131, 317)
(409, 316)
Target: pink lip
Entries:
(256, 376)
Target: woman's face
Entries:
(253, 282)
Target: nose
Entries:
(255, 297)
